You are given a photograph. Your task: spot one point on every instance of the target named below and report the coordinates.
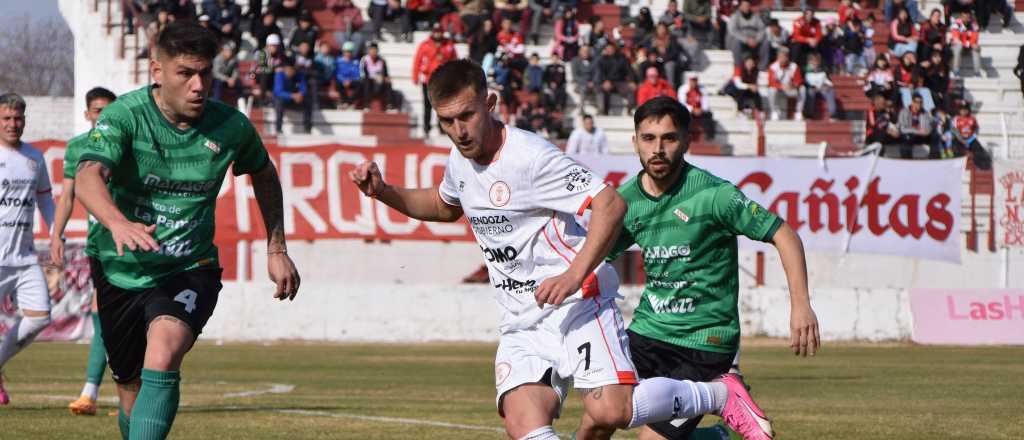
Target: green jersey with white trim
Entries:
(72, 153)
(169, 177)
(688, 239)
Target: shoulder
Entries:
(223, 114)
(31, 152)
(630, 189)
(700, 180)
(529, 147)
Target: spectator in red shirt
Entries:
(431, 54)
(881, 123)
(847, 10)
(695, 99)
(512, 44)
(348, 23)
(516, 10)
(784, 82)
(806, 36)
(903, 34)
(653, 87)
(743, 86)
(963, 36)
(965, 137)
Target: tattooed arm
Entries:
(91, 189)
(267, 189)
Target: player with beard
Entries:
(559, 317)
(686, 221)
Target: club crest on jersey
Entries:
(682, 215)
(501, 372)
(500, 194)
(213, 146)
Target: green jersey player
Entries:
(686, 221)
(150, 176)
(95, 101)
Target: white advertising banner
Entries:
(1009, 201)
(862, 205)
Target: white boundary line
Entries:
(341, 415)
(275, 388)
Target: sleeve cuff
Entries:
(448, 200)
(590, 198)
(238, 171)
(772, 230)
(96, 158)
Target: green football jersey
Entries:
(688, 239)
(165, 176)
(72, 153)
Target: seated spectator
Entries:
(743, 86)
(910, 81)
(290, 92)
(965, 138)
(163, 18)
(304, 63)
(554, 94)
(266, 27)
(483, 45)
(936, 78)
(847, 10)
(932, 35)
(306, 32)
(532, 116)
(584, 73)
(916, 128)
(567, 35)
(534, 74)
(513, 44)
(385, 10)
(647, 58)
(204, 21)
(832, 46)
(419, 14)
(806, 37)
(613, 76)
(348, 24)
(517, 11)
(540, 11)
(672, 58)
(180, 9)
(784, 82)
(722, 11)
(225, 73)
(693, 96)
(777, 38)
(672, 17)
(746, 34)
(588, 139)
(943, 133)
(268, 62)
(699, 23)
(644, 24)
(903, 34)
(346, 77)
(817, 83)
(880, 80)
(323, 63)
(598, 37)
(892, 8)
(375, 78)
(285, 8)
(881, 125)
(963, 36)
(955, 7)
(853, 47)
(225, 19)
(653, 87)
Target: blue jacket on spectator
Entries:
(346, 70)
(284, 86)
(534, 78)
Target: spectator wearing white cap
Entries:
(268, 61)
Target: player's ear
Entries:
(155, 69)
(636, 145)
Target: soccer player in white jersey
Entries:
(559, 322)
(26, 185)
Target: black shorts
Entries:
(653, 358)
(125, 314)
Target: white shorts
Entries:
(27, 285)
(584, 342)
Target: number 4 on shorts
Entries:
(188, 298)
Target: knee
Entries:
(609, 414)
(517, 426)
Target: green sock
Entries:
(97, 354)
(122, 423)
(156, 405)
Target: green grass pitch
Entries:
(445, 391)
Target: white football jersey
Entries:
(522, 209)
(23, 176)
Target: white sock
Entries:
(20, 335)
(91, 390)
(542, 433)
(659, 399)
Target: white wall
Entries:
(48, 117)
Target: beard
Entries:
(661, 167)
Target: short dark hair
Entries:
(187, 38)
(663, 106)
(588, 116)
(455, 76)
(99, 93)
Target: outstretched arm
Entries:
(267, 189)
(92, 190)
(419, 203)
(803, 323)
(607, 210)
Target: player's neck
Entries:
(493, 143)
(13, 146)
(657, 187)
(175, 119)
